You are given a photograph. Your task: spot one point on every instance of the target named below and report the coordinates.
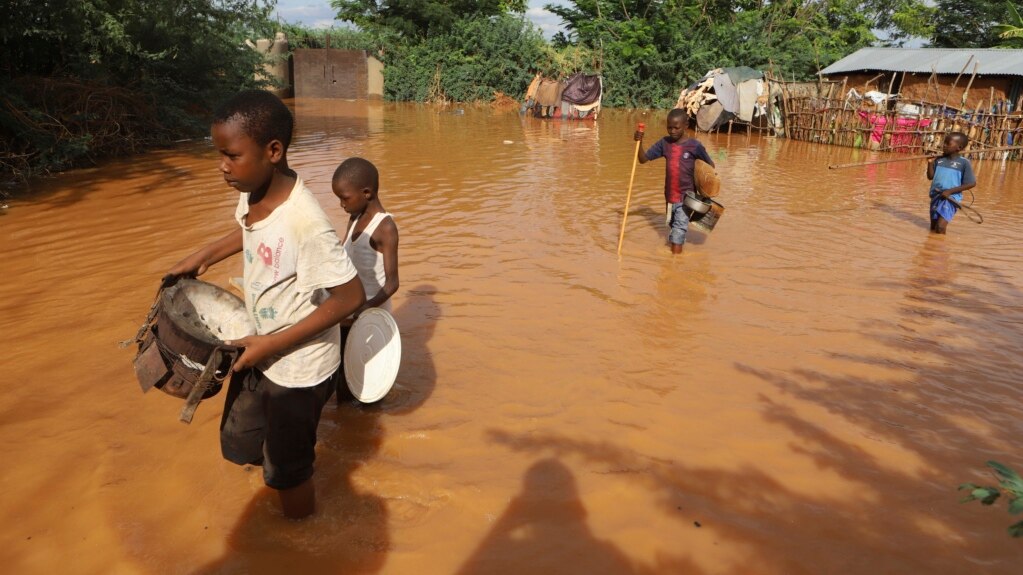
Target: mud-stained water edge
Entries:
(800, 392)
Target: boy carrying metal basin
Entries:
(680, 155)
(298, 284)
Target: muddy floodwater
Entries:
(800, 392)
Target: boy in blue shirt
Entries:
(950, 175)
(680, 155)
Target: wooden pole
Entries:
(976, 126)
(921, 157)
(635, 159)
(840, 118)
(989, 120)
(954, 84)
(966, 92)
(785, 106)
(1002, 131)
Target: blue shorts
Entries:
(273, 426)
(942, 208)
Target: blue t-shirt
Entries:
(680, 158)
(951, 173)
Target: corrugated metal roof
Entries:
(990, 61)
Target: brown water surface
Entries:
(800, 392)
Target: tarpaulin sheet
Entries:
(581, 89)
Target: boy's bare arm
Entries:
(197, 263)
(930, 167)
(957, 189)
(385, 240)
(344, 299)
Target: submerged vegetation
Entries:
(85, 79)
(1009, 483)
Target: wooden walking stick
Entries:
(635, 159)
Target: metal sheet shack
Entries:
(344, 74)
(907, 99)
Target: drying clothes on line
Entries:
(726, 93)
(740, 92)
(747, 96)
(577, 98)
(549, 93)
(533, 87)
(879, 97)
(582, 89)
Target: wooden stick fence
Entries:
(833, 118)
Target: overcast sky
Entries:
(319, 14)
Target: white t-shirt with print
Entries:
(291, 257)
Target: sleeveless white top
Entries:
(368, 261)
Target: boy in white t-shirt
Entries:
(298, 284)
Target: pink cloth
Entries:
(878, 121)
(902, 136)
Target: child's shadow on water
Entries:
(653, 218)
(349, 531)
(915, 219)
(417, 319)
(542, 527)
(659, 223)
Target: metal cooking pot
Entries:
(695, 204)
(181, 345)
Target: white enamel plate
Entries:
(372, 355)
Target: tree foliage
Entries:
(337, 38)
(420, 18)
(649, 49)
(87, 78)
(969, 23)
(476, 58)
(1011, 32)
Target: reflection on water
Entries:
(818, 369)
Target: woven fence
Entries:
(827, 113)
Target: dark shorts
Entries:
(273, 426)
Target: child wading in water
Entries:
(680, 157)
(298, 284)
(372, 238)
(951, 175)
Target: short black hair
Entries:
(263, 116)
(360, 172)
(963, 139)
(677, 113)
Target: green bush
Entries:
(478, 57)
(83, 79)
